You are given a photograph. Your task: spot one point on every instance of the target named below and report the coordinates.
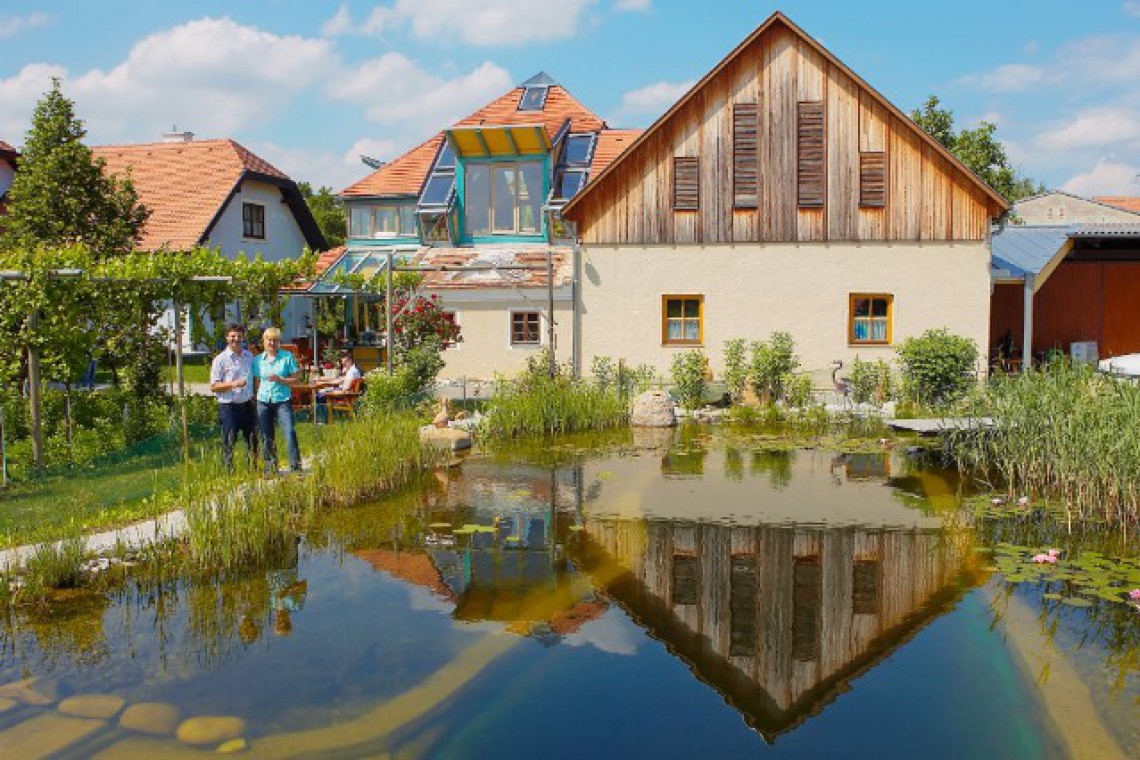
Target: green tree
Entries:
(61, 195)
(328, 210)
(978, 148)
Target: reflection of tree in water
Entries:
(777, 464)
(687, 456)
(66, 631)
(733, 464)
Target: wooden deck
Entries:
(937, 425)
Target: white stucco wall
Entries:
(283, 239)
(751, 291)
(6, 175)
(1062, 210)
(485, 325)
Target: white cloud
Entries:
(211, 76)
(1014, 77)
(624, 6)
(18, 96)
(13, 25)
(654, 99)
(1093, 127)
(488, 22)
(340, 23)
(397, 93)
(317, 167)
(1131, 7)
(1108, 177)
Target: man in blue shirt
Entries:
(231, 380)
(276, 371)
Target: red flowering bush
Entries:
(420, 319)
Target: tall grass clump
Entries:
(373, 455)
(534, 403)
(54, 565)
(1065, 433)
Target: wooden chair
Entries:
(344, 402)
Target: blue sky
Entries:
(311, 85)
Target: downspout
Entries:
(575, 306)
(1027, 326)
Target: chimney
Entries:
(174, 136)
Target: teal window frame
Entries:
(500, 237)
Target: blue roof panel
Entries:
(1023, 250)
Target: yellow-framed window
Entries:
(682, 320)
(871, 318)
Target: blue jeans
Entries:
(281, 413)
(235, 419)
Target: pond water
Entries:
(668, 594)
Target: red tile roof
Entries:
(491, 254)
(325, 261)
(405, 175)
(1126, 202)
(183, 184)
(611, 144)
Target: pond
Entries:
(685, 593)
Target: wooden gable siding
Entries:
(925, 196)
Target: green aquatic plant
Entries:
(537, 404)
(54, 565)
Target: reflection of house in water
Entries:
(514, 571)
(777, 619)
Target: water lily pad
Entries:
(1076, 601)
(440, 525)
(1051, 596)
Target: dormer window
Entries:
(386, 221)
(533, 98)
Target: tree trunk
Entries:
(35, 394)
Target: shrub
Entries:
(688, 373)
(798, 390)
(937, 366)
(772, 362)
(736, 367)
(871, 382)
(410, 382)
(626, 381)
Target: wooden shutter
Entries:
(745, 134)
(873, 179)
(686, 183)
(810, 157)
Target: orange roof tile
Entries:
(411, 567)
(406, 174)
(611, 144)
(183, 184)
(1126, 202)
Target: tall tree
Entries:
(61, 196)
(978, 148)
(328, 210)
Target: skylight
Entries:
(533, 98)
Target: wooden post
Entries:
(550, 310)
(1027, 326)
(35, 393)
(388, 291)
(181, 381)
(3, 451)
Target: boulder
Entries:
(155, 718)
(448, 439)
(92, 706)
(653, 409)
(210, 729)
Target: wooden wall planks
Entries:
(925, 197)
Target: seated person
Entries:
(344, 382)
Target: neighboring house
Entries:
(8, 158)
(781, 192)
(216, 193)
(1085, 286)
(1058, 208)
(1126, 202)
(480, 196)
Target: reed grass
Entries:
(1063, 433)
(53, 565)
(540, 405)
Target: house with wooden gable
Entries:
(782, 192)
(217, 193)
(474, 207)
(8, 157)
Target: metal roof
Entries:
(1021, 250)
(1106, 229)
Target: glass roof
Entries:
(367, 263)
(533, 98)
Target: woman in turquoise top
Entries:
(276, 371)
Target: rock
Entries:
(653, 409)
(7, 704)
(232, 747)
(450, 439)
(655, 439)
(46, 735)
(210, 729)
(155, 718)
(92, 706)
(31, 691)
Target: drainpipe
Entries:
(575, 294)
(1027, 326)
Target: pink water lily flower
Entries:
(1050, 558)
(1134, 594)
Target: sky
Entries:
(311, 86)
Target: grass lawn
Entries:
(119, 491)
(195, 369)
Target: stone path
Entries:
(937, 425)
